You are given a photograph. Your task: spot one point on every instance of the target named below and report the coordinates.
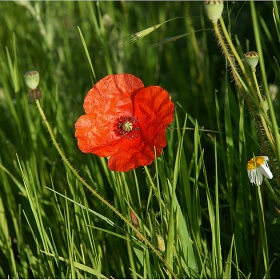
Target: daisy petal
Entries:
(264, 169)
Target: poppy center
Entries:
(127, 127)
(259, 160)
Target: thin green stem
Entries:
(153, 185)
(253, 70)
(149, 244)
(263, 233)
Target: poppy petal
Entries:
(131, 156)
(155, 111)
(92, 139)
(112, 94)
(154, 105)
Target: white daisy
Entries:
(257, 167)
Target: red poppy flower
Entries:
(124, 121)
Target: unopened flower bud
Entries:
(252, 58)
(213, 9)
(31, 79)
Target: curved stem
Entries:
(149, 244)
(222, 43)
(241, 65)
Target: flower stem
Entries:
(241, 65)
(263, 233)
(253, 70)
(223, 46)
(149, 244)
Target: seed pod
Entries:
(252, 58)
(213, 9)
(31, 79)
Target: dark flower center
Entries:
(127, 127)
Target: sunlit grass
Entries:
(195, 198)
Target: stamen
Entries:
(127, 127)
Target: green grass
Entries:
(196, 196)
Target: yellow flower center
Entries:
(255, 162)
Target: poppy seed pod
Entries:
(213, 9)
(252, 58)
(31, 79)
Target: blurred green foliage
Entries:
(43, 36)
